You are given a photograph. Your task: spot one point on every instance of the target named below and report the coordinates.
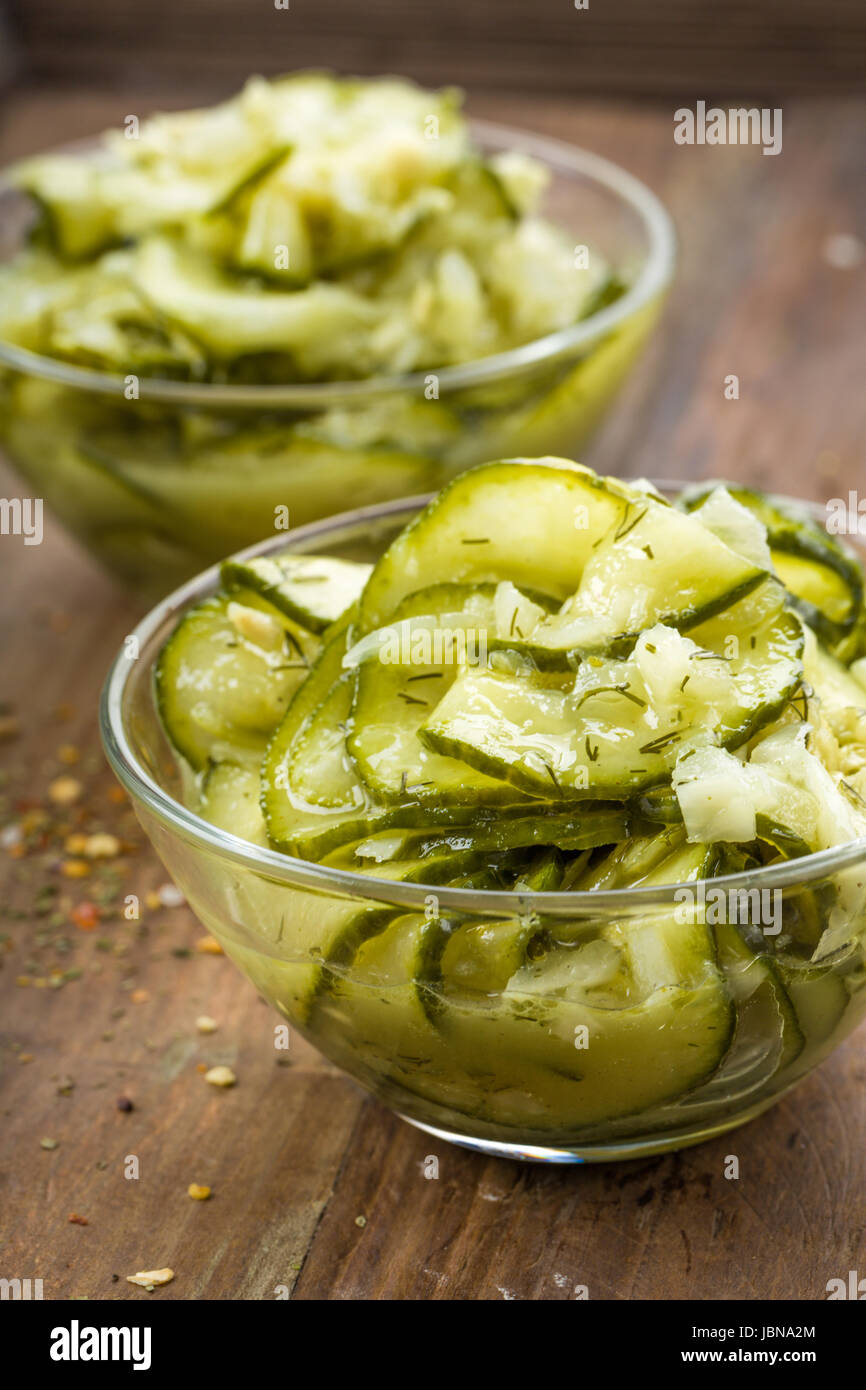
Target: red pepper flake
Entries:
(75, 1220)
(85, 916)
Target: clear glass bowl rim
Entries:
(301, 873)
(654, 277)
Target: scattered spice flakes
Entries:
(23, 981)
(125, 1104)
(201, 1066)
(75, 1220)
(75, 868)
(169, 895)
(11, 836)
(208, 946)
(101, 845)
(205, 1024)
(220, 1076)
(26, 1057)
(49, 1143)
(139, 996)
(85, 916)
(151, 1278)
(65, 791)
(64, 712)
(10, 727)
(198, 1191)
(361, 1221)
(68, 754)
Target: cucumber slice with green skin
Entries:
(625, 723)
(229, 798)
(513, 520)
(481, 191)
(229, 321)
(319, 771)
(851, 649)
(323, 699)
(312, 936)
(311, 590)
(655, 566)
(93, 202)
(311, 831)
(642, 1050)
(820, 996)
(396, 689)
(274, 225)
(833, 683)
(592, 826)
(334, 930)
(509, 1059)
(823, 576)
(630, 862)
(768, 1037)
(481, 957)
(225, 678)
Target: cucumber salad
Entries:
(311, 231)
(549, 681)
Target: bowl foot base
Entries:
(595, 1153)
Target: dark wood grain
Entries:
(625, 46)
(316, 1188)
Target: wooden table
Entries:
(316, 1188)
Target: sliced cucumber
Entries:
(515, 520)
(229, 798)
(398, 686)
(591, 826)
(768, 1038)
(836, 687)
(820, 998)
(225, 677)
(230, 320)
(319, 771)
(596, 1031)
(276, 240)
(311, 590)
(295, 825)
(315, 935)
(823, 576)
(656, 566)
(624, 724)
(631, 861)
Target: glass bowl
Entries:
(472, 1068)
(159, 486)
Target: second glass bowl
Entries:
(160, 485)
